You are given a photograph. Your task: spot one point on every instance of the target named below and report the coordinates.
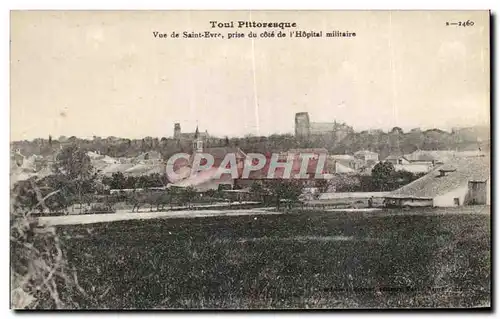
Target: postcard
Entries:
(250, 160)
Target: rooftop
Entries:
(308, 151)
(433, 184)
(395, 157)
(365, 152)
(221, 152)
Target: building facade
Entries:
(305, 129)
(178, 135)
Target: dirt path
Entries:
(145, 214)
(122, 215)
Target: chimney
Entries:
(445, 170)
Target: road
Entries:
(127, 215)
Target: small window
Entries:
(456, 201)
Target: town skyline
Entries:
(117, 79)
(201, 129)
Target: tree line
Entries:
(385, 143)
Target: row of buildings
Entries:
(451, 178)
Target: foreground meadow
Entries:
(295, 260)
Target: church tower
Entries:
(302, 125)
(177, 131)
(197, 142)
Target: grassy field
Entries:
(308, 260)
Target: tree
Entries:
(118, 181)
(211, 193)
(345, 183)
(322, 185)
(73, 163)
(382, 175)
(23, 196)
(288, 190)
(187, 195)
(174, 196)
(74, 172)
(292, 191)
(257, 190)
(397, 130)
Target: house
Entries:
(397, 159)
(211, 179)
(152, 156)
(316, 151)
(441, 156)
(219, 153)
(295, 153)
(145, 169)
(339, 168)
(462, 181)
(367, 156)
(346, 160)
(429, 157)
(101, 162)
(206, 180)
(402, 163)
(308, 179)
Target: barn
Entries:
(461, 181)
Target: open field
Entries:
(440, 258)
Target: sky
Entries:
(104, 73)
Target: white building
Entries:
(463, 181)
(367, 156)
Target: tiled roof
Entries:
(393, 157)
(114, 168)
(442, 155)
(308, 151)
(139, 169)
(365, 152)
(221, 152)
(150, 155)
(426, 156)
(343, 157)
(202, 177)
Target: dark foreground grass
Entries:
(308, 260)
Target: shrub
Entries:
(40, 276)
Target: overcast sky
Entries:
(103, 73)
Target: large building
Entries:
(305, 129)
(189, 136)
